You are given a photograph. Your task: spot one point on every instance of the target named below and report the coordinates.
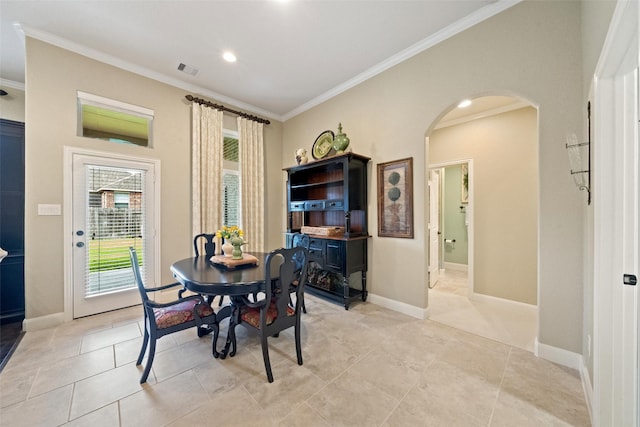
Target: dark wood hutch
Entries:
(332, 192)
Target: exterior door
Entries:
(113, 201)
(434, 226)
(12, 221)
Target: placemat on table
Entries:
(230, 263)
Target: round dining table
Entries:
(200, 275)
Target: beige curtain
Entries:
(251, 151)
(206, 169)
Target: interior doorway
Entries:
(495, 151)
(449, 242)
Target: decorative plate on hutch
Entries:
(323, 145)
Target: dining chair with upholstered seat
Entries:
(161, 319)
(301, 239)
(274, 313)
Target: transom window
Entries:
(115, 121)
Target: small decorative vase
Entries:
(227, 248)
(340, 141)
(237, 243)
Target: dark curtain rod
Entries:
(228, 110)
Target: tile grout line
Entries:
(73, 390)
(504, 373)
(333, 380)
(119, 412)
(398, 404)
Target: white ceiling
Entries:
(292, 55)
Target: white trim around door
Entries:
(153, 241)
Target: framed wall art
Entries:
(395, 198)
(464, 184)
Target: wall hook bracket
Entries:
(581, 174)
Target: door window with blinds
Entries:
(115, 222)
(114, 206)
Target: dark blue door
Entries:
(12, 221)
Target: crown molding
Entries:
(143, 71)
(447, 32)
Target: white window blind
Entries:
(112, 227)
(231, 180)
(231, 198)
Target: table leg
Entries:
(223, 313)
(230, 345)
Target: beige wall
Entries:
(504, 150)
(53, 77)
(532, 50)
(12, 105)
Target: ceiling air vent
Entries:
(189, 69)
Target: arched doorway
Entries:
(486, 156)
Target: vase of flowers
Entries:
(229, 233)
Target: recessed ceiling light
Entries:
(464, 103)
(229, 57)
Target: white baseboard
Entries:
(482, 297)
(455, 266)
(571, 360)
(558, 355)
(400, 307)
(43, 322)
(587, 388)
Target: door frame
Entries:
(430, 173)
(470, 227)
(615, 313)
(154, 248)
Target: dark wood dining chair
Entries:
(162, 319)
(210, 250)
(209, 244)
(301, 239)
(274, 313)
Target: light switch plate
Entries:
(49, 209)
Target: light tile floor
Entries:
(368, 366)
(509, 323)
